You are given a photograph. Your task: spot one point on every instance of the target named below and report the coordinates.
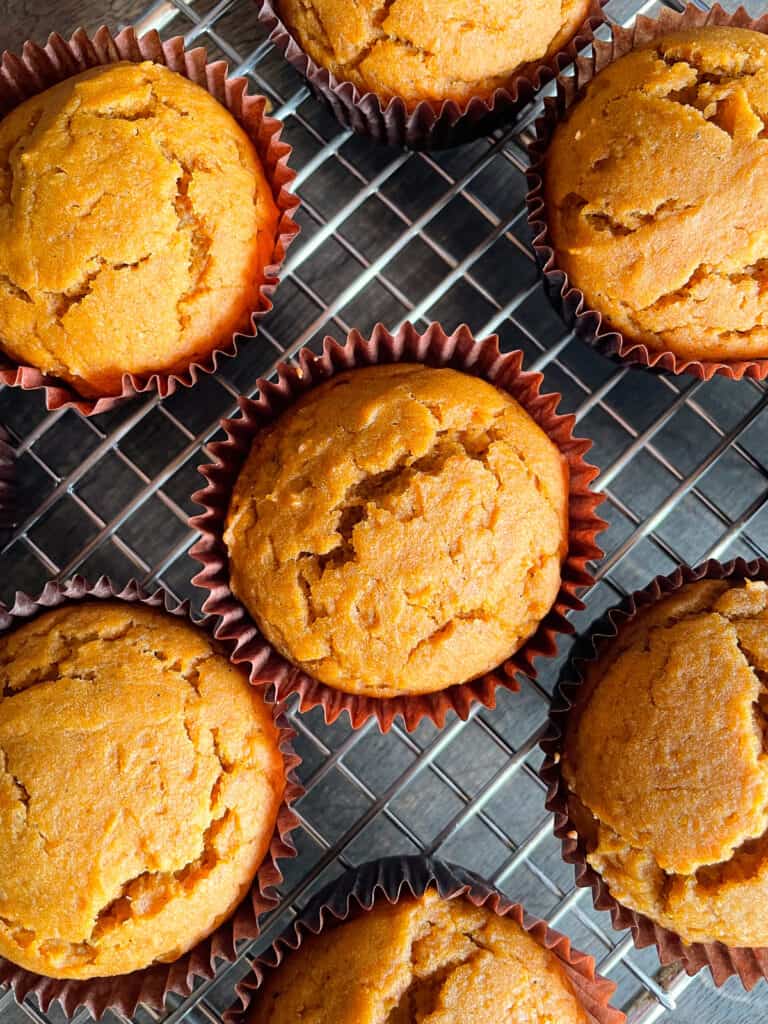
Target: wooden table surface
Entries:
(34, 19)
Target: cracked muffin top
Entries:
(665, 757)
(431, 49)
(140, 781)
(656, 198)
(428, 960)
(399, 529)
(135, 222)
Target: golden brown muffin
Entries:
(432, 960)
(665, 752)
(140, 780)
(431, 49)
(656, 198)
(135, 222)
(399, 529)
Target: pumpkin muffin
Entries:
(140, 781)
(399, 529)
(655, 194)
(432, 960)
(665, 759)
(430, 49)
(135, 223)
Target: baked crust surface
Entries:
(399, 529)
(665, 755)
(656, 198)
(135, 223)
(432, 960)
(140, 781)
(431, 49)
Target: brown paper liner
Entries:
(430, 124)
(38, 68)
(151, 987)
(590, 324)
(357, 891)
(434, 348)
(7, 482)
(749, 964)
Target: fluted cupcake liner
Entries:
(7, 482)
(395, 878)
(588, 323)
(748, 964)
(434, 347)
(429, 124)
(38, 68)
(151, 986)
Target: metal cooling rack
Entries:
(386, 236)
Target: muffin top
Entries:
(430, 49)
(399, 529)
(656, 198)
(665, 753)
(432, 960)
(135, 220)
(140, 780)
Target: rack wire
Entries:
(389, 235)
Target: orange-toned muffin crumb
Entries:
(135, 224)
(399, 529)
(656, 198)
(140, 781)
(431, 49)
(665, 755)
(432, 960)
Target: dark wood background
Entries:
(34, 19)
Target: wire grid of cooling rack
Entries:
(389, 235)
